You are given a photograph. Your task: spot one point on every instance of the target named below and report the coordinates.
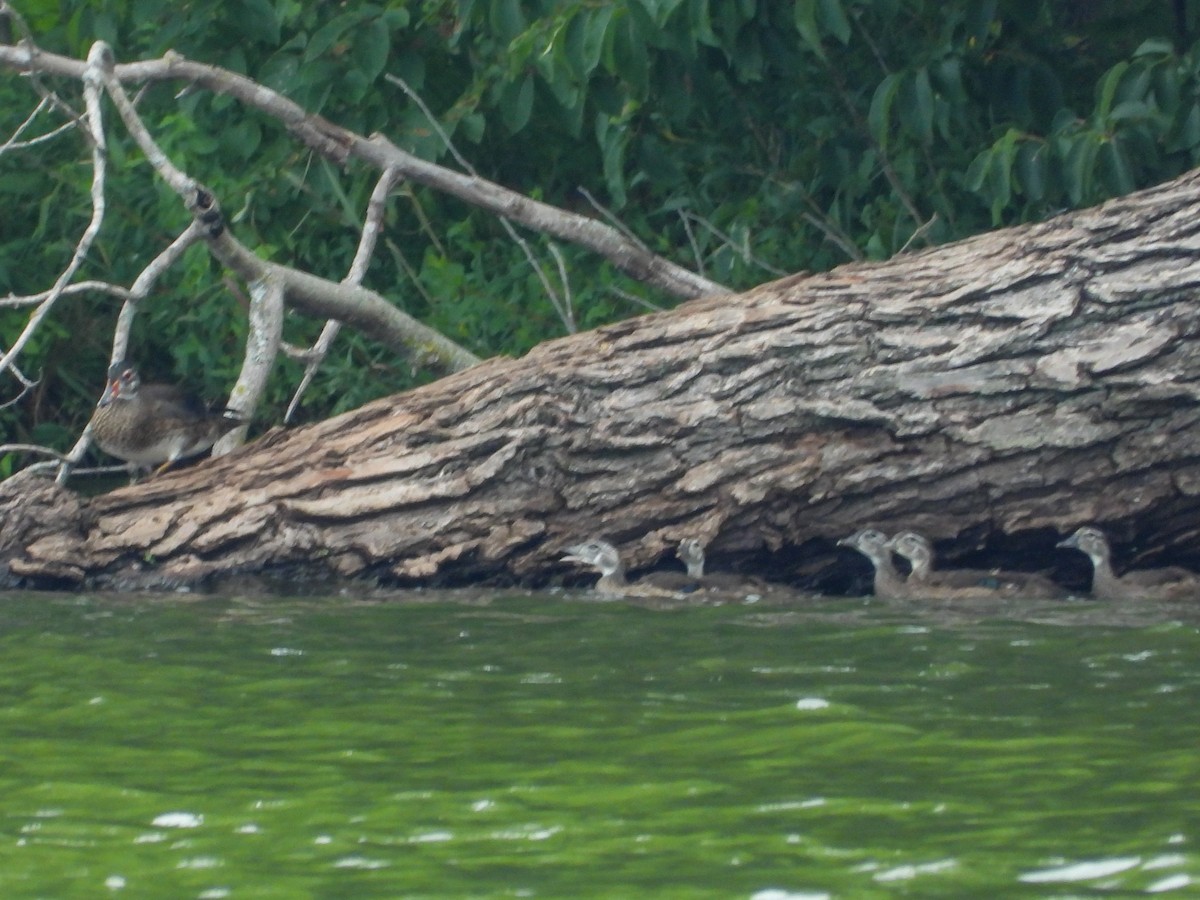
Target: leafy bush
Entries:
(744, 139)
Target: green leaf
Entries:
(833, 18)
(917, 105)
(805, 16)
(613, 140)
(1155, 47)
(329, 34)
(1080, 166)
(257, 20)
(1115, 166)
(627, 56)
(879, 115)
(371, 46)
(1031, 169)
(472, 127)
(506, 18)
(1189, 130)
(595, 37)
(516, 104)
(279, 72)
(1107, 89)
(1130, 110)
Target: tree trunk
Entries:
(992, 392)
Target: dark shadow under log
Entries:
(991, 393)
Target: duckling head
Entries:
(913, 547)
(691, 552)
(596, 553)
(1089, 540)
(869, 542)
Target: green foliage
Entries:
(728, 134)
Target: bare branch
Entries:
(13, 144)
(80, 287)
(146, 280)
(27, 385)
(262, 346)
(358, 306)
(339, 145)
(92, 78)
(372, 227)
(31, 448)
(141, 288)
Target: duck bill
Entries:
(573, 554)
(111, 391)
(1069, 543)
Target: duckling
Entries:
(1168, 583)
(604, 556)
(153, 424)
(967, 583)
(889, 584)
(691, 553)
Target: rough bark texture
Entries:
(994, 391)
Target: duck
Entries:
(691, 553)
(889, 583)
(149, 425)
(966, 583)
(1167, 583)
(604, 557)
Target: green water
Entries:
(551, 747)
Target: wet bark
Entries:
(991, 393)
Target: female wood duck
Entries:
(1168, 583)
(153, 424)
(966, 583)
(604, 557)
(889, 584)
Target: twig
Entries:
(92, 93)
(315, 295)
(146, 280)
(743, 251)
(32, 448)
(920, 232)
(833, 234)
(635, 299)
(78, 287)
(568, 308)
(885, 164)
(141, 288)
(20, 129)
(565, 313)
(691, 236)
(402, 261)
(27, 385)
(339, 144)
(612, 218)
(371, 229)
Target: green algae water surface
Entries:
(557, 747)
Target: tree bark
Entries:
(991, 392)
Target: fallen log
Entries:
(992, 393)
